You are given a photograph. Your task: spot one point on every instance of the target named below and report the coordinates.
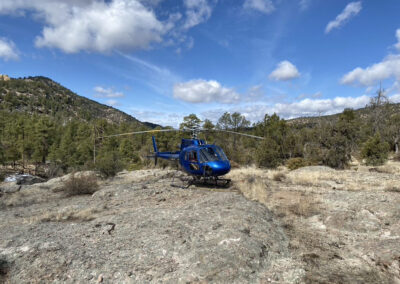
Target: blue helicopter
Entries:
(202, 161)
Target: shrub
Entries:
(135, 167)
(296, 163)
(4, 269)
(306, 206)
(392, 188)
(279, 177)
(338, 152)
(313, 153)
(375, 151)
(78, 185)
(336, 158)
(396, 157)
(109, 164)
(268, 154)
(53, 170)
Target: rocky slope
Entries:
(311, 225)
(137, 228)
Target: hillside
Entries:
(362, 113)
(43, 96)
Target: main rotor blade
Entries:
(237, 133)
(181, 130)
(140, 132)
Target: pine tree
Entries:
(375, 151)
(190, 122)
(208, 125)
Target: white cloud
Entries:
(284, 71)
(395, 98)
(394, 88)
(102, 27)
(306, 107)
(316, 95)
(113, 103)
(304, 4)
(101, 92)
(351, 10)
(263, 6)
(388, 68)
(8, 51)
(158, 117)
(201, 91)
(197, 11)
(309, 107)
(397, 45)
(105, 25)
(255, 93)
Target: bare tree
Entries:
(378, 106)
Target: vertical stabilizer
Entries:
(154, 144)
(155, 150)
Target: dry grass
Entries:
(305, 206)
(242, 173)
(384, 178)
(392, 186)
(385, 169)
(391, 167)
(254, 189)
(314, 178)
(67, 214)
(79, 185)
(245, 172)
(343, 180)
(284, 203)
(25, 198)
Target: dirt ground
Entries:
(311, 225)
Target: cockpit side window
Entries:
(191, 156)
(208, 155)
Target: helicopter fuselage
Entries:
(205, 160)
(197, 158)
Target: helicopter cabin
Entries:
(209, 153)
(189, 142)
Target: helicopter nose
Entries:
(220, 168)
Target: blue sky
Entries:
(160, 60)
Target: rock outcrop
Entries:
(138, 229)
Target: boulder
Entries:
(24, 179)
(28, 179)
(9, 187)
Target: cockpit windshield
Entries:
(210, 154)
(221, 153)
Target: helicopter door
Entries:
(192, 158)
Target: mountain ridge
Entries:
(43, 96)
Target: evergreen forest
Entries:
(48, 130)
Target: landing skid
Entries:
(214, 181)
(202, 181)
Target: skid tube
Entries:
(212, 181)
